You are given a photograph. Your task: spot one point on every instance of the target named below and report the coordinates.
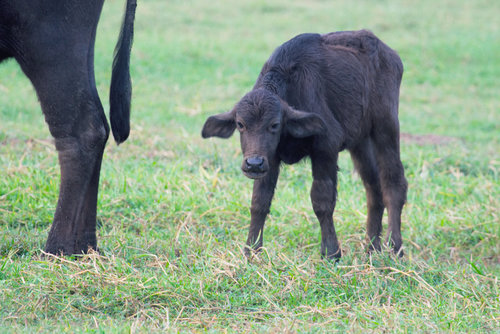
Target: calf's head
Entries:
(263, 119)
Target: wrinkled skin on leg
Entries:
(73, 230)
(80, 130)
(53, 42)
(59, 63)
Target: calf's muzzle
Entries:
(255, 167)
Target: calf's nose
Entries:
(254, 164)
(255, 161)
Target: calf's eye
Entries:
(239, 125)
(275, 126)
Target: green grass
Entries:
(174, 209)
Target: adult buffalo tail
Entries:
(121, 86)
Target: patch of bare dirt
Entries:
(427, 139)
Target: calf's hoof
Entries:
(250, 251)
(373, 245)
(396, 247)
(398, 252)
(332, 256)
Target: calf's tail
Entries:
(121, 86)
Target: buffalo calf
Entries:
(53, 42)
(316, 96)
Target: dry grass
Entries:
(173, 208)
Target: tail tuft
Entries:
(121, 85)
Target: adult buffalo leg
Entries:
(263, 191)
(80, 153)
(63, 77)
(323, 198)
(366, 165)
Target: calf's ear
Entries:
(221, 125)
(300, 124)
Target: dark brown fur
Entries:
(316, 96)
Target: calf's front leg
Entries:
(323, 198)
(263, 191)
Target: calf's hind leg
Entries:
(392, 179)
(366, 165)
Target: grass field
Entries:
(174, 209)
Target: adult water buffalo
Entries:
(53, 42)
(316, 96)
